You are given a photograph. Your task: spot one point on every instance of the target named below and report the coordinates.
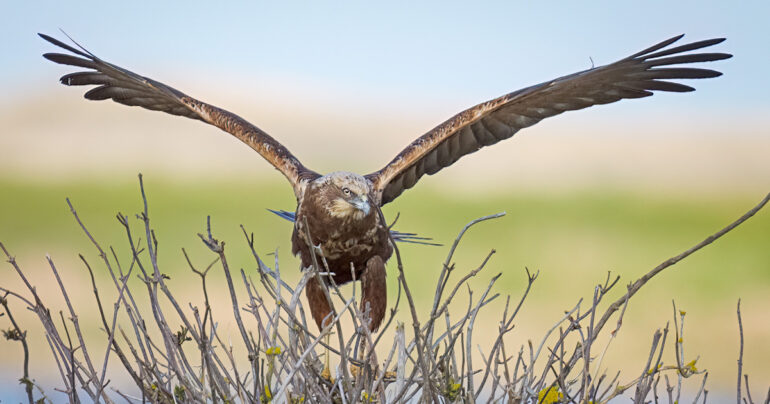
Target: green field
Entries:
(584, 233)
(573, 239)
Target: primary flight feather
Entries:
(339, 212)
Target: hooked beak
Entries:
(362, 203)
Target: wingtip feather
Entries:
(657, 46)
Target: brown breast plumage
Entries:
(344, 236)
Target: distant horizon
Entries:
(58, 137)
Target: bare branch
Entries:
(436, 365)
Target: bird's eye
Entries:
(346, 191)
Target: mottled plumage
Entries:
(337, 210)
(341, 210)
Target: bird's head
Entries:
(347, 196)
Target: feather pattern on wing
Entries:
(128, 88)
(485, 124)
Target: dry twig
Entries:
(437, 364)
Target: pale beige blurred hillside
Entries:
(55, 134)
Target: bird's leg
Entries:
(356, 369)
(373, 300)
(321, 312)
(374, 296)
(327, 373)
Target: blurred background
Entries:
(346, 86)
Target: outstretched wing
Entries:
(128, 88)
(488, 123)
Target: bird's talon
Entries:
(355, 370)
(326, 374)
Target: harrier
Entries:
(338, 214)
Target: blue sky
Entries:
(416, 53)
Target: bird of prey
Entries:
(338, 214)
